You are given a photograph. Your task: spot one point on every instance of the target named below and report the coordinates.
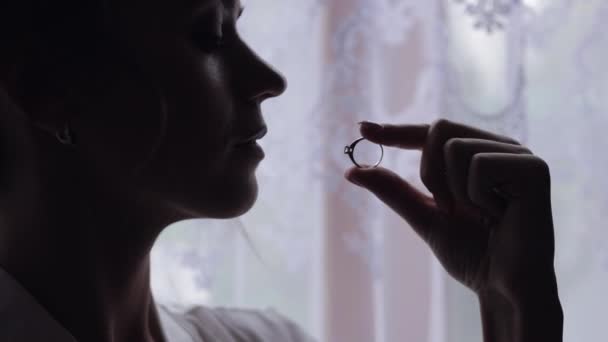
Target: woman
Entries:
(122, 117)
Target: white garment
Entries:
(229, 325)
(22, 319)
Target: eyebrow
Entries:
(234, 5)
(201, 6)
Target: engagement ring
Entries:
(364, 154)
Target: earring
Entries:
(65, 136)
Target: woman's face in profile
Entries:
(200, 81)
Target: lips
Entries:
(254, 135)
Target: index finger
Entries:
(401, 136)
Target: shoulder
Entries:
(243, 325)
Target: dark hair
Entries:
(51, 42)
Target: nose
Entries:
(261, 80)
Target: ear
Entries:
(30, 118)
(48, 112)
(43, 106)
(47, 115)
(17, 147)
(11, 113)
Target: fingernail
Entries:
(370, 127)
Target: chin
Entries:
(233, 201)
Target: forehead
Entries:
(203, 4)
(151, 16)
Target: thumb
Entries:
(412, 205)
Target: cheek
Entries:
(207, 175)
(194, 166)
(120, 129)
(196, 153)
(201, 113)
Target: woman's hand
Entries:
(489, 221)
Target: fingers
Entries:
(458, 154)
(433, 168)
(431, 139)
(402, 136)
(415, 207)
(496, 177)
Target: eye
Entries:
(207, 35)
(208, 41)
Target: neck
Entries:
(86, 262)
(90, 300)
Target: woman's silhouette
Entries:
(122, 117)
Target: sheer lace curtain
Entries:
(328, 255)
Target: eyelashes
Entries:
(210, 33)
(207, 34)
(208, 42)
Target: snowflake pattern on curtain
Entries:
(489, 14)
